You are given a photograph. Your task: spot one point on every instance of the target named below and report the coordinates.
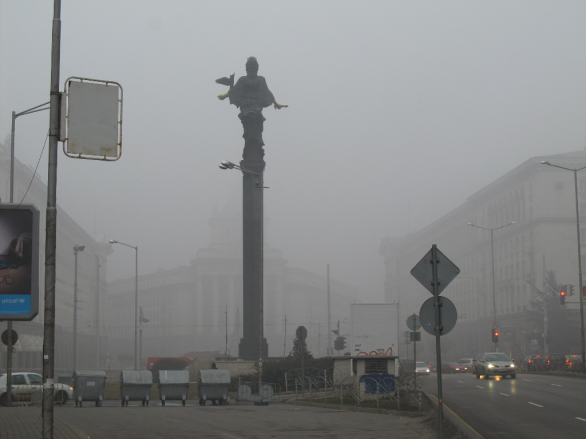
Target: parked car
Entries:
(28, 387)
(495, 363)
(422, 368)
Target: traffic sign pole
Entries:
(438, 351)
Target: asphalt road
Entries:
(242, 421)
(531, 406)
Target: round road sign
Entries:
(448, 315)
(5, 337)
(413, 322)
(495, 325)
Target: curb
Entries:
(353, 409)
(457, 422)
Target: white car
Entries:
(495, 363)
(422, 368)
(28, 387)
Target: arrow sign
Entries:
(446, 271)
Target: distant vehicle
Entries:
(495, 363)
(422, 368)
(466, 362)
(454, 368)
(573, 363)
(25, 385)
(553, 361)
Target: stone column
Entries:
(252, 234)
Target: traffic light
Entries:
(570, 290)
(563, 294)
(495, 336)
(340, 343)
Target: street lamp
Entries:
(581, 291)
(113, 241)
(492, 259)
(76, 248)
(259, 184)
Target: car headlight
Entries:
(512, 365)
(490, 366)
(71, 388)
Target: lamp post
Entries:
(9, 322)
(142, 320)
(97, 313)
(581, 291)
(492, 261)
(76, 249)
(259, 184)
(113, 241)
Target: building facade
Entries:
(29, 188)
(199, 307)
(541, 243)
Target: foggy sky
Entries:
(398, 111)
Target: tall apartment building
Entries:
(29, 188)
(540, 199)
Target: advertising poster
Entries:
(19, 256)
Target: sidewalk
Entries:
(26, 423)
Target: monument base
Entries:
(248, 349)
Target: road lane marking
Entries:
(557, 385)
(229, 435)
(504, 394)
(461, 382)
(537, 405)
(581, 419)
(480, 387)
(530, 381)
(444, 378)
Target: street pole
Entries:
(113, 241)
(330, 352)
(136, 308)
(9, 346)
(438, 328)
(140, 336)
(496, 348)
(580, 288)
(97, 325)
(285, 339)
(74, 367)
(492, 263)
(51, 230)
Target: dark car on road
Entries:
(454, 368)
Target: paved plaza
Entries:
(236, 421)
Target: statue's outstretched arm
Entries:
(275, 103)
(224, 96)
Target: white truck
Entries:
(375, 328)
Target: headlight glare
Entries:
(490, 366)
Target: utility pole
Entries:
(76, 249)
(51, 230)
(97, 314)
(285, 339)
(329, 350)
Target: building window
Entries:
(375, 366)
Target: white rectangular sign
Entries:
(375, 328)
(94, 119)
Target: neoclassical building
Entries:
(540, 199)
(196, 307)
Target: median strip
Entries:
(537, 405)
